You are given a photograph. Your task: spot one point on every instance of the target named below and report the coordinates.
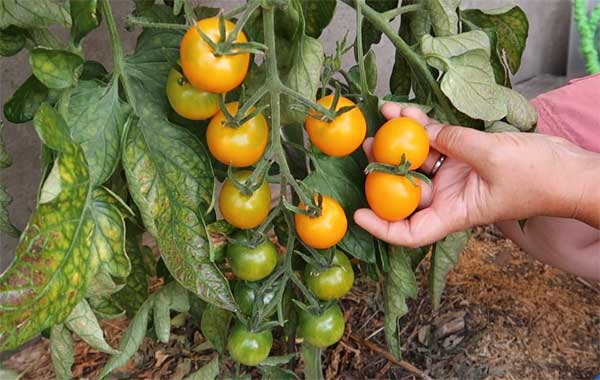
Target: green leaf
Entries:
(85, 16)
(103, 285)
(420, 21)
(276, 373)
(97, 117)
(106, 307)
(32, 13)
(131, 340)
(444, 17)
(56, 69)
(159, 13)
(53, 259)
(400, 79)
(84, 323)
(208, 372)
(12, 40)
(342, 179)
(21, 107)
(318, 15)
(470, 85)
(93, 70)
(311, 356)
(135, 292)
(521, 113)
(148, 67)
(172, 192)
(215, 326)
(370, 34)
(5, 225)
(171, 297)
(108, 239)
(453, 46)
(444, 257)
(61, 352)
(511, 26)
(5, 159)
(400, 284)
(371, 71)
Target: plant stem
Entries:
(330, 115)
(364, 86)
(117, 50)
(416, 63)
(393, 13)
(250, 7)
(131, 20)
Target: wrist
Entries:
(586, 201)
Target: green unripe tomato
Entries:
(331, 283)
(252, 264)
(247, 347)
(322, 330)
(245, 297)
(190, 102)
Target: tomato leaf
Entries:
(215, 326)
(370, 34)
(512, 28)
(61, 352)
(131, 340)
(97, 117)
(85, 16)
(135, 291)
(470, 85)
(84, 323)
(400, 79)
(12, 40)
(521, 113)
(32, 13)
(318, 15)
(276, 373)
(443, 258)
(208, 372)
(371, 71)
(171, 297)
(5, 225)
(400, 284)
(21, 107)
(103, 285)
(56, 69)
(53, 259)
(106, 307)
(341, 179)
(453, 46)
(444, 16)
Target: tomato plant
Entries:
(118, 165)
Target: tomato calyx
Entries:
(256, 179)
(401, 170)
(312, 209)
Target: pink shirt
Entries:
(572, 112)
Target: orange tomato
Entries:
(401, 136)
(391, 197)
(323, 231)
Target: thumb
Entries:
(465, 144)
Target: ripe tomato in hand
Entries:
(330, 283)
(342, 135)
(401, 136)
(392, 197)
(252, 264)
(188, 101)
(202, 68)
(241, 146)
(323, 231)
(322, 330)
(244, 211)
(247, 347)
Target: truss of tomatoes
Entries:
(194, 90)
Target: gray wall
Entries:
(546, 52)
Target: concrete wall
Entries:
(546, 52)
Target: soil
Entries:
(504, 316)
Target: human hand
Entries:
(488, 178)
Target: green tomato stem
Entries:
(393, 13)
(132, 20)
(364, 86)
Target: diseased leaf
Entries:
(56, 69)
(317, 15)
(21, 107)
(171, 297)
(53, 259)
(215, 326)
(106, 307)
(400, 284)
(511, 26)
(32, 13)
(85, 16)
(135, 292)
(12, 40)
(131, 340)
(342, 179)
(97, 117)
(208, 372)
(444, 16)
(458, 44)
(103, 285)
(470, 85)
(61, 352)
(521, 113)
(84, 323)
(5, 225)
(444, 257)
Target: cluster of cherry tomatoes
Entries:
(195, 94)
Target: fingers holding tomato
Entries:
(401, 137)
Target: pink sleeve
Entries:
(572, 112)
